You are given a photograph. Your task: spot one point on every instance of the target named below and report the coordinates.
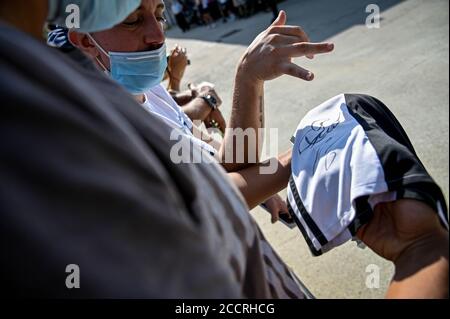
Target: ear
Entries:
(88, 47)
(83, 43)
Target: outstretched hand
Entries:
(270, 55)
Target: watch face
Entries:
(212, 99)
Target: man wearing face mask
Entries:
(141, 72)
(133, 54)
(87, 182)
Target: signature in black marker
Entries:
(317, 133)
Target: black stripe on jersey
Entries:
(303, 231)
(404, 172)
(306, 217)
(363, 214)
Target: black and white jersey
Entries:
(351, 153)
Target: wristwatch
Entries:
(211, 100)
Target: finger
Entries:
(294, 31)
(304, 48)
(221, 121)
(297, 71)
(219, 101)
(284, 40)
(283, 207)
(280, 20)
(223, 127)
(275, 216)
(273, 209)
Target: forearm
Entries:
(257, 187)
(247, 113)
(195, 109)
(422, 271)
(182, 98)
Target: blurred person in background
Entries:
(204, 9)
(240, 7)
(177, 9)
(225, 11)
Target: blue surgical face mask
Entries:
(95, 15)
(138, 72)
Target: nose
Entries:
(154, 34)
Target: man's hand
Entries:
(276, 206)
(177, 63)
(397, 226)
(215, 119)
(199, 110)
(270, 55)
(408, 232)
(205, 88)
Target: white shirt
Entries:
(159, 102)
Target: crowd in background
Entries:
(188, 13)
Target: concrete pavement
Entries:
(404, 63)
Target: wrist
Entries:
(209, 100)
(424, 248)
(421, 270)
(202, 106)
(245, 76)
(174, 84)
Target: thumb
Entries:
(273, 209)
(280, 20)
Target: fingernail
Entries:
(309, 76)
(330, 46)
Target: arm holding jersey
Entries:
(408, 233)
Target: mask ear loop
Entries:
(101, 49)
